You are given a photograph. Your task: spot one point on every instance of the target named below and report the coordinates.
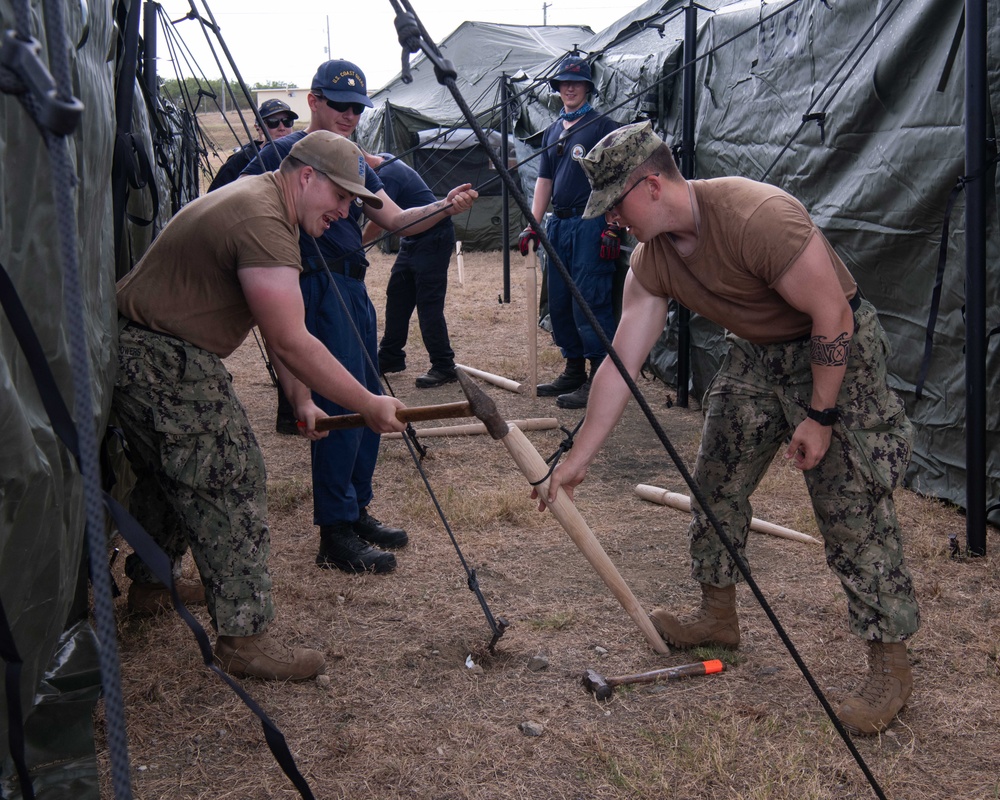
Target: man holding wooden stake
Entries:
(807, 363)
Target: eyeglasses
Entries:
(273, 123)
(615, 205)
(357, 108)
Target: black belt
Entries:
(567, 213)
(314, 265)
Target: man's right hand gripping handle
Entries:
(528, 237)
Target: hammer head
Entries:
(482, 406)
(594, 682)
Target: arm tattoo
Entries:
(830, 354)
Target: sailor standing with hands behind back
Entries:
(587, 247)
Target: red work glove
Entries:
(611, 242)
(525, 240)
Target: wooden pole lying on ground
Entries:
(531, 308)
(461, 263)
(683, 503)
(489, 377)
(534, 468)
(537, 424)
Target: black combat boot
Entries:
(374, 532)
(341, 547)
(436, 376)
(573, 377)
(579, 397)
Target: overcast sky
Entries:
(270, 41)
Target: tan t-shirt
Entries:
(751, 234)
(186, 283)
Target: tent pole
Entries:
(687, 170)
(975, 276)
(388, 130)
(505, 199)
(149, 20)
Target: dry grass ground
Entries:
(403, 716)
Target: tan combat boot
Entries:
(262, 656)
(149, 599)
(882, 693)
(715, 622)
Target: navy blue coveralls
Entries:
(576, 240)
(342, 463)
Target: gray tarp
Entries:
(876, 174)
(481, 52)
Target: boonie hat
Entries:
(337, 158)
(611, 161)
(342, 82)
(573, 68)
(275, 106)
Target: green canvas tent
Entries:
(482, 53)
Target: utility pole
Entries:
(545, 15)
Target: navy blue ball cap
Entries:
(342, 82)
(573, 68)
(275, 106)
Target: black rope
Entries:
(564, 447)
(497, 624)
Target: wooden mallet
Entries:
(415, 414)
(534, 468)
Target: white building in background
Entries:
(296, 99)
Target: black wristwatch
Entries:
(827, 416)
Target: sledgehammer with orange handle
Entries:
(602, 687)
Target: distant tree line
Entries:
(210, 95)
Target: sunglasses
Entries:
(274, 123)
(560, 144)
(357, 108)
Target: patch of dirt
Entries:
(403, 716)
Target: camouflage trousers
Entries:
(200, 479)
(759, 396)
